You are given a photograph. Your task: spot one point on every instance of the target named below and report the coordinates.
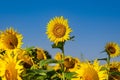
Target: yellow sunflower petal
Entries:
(58, 56)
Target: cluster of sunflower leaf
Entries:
(35, 63)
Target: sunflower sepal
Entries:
(59, 45)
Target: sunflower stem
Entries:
(63, 56)
(63, 51)
(108, 65)
(108, 60)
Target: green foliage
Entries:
(72, 38)
(59, 45)
(105, 59)
(38, 74)
(69, 75)
(115, 73)
(48, 61)
(103, 68)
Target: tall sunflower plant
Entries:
(113, 50)
(58, 32)
(36, 63)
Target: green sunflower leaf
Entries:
(48, 61)
(115, 73)
(103, 68)
(103, 59)
(29, 48)
(72, 38)
(70, 75)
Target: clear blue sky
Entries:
(94, 23)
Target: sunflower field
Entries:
(35, 63)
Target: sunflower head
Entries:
(58, 56)
(114, 67)
(12, 67)
(112, 49)
(25, 57)
(76, 65)
(88, 71)
(40, 54)
(58, 30)
(71, 63)
(10, 39)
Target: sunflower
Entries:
(58, 30)
(112, 49)
(114, 67)
(24, 56)
(10, 67)
(71, 64)
(76, 65)
(88, 71)
(10, 39)
(58, 56)
(40, 54)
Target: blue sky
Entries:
(94, 23)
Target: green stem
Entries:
(108, 60)
(63, 56)
(108, 65)
(63, 52)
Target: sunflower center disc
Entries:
(69, 63)
(59, 30)
(11, 41)
(111, 50)
(40, 55)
